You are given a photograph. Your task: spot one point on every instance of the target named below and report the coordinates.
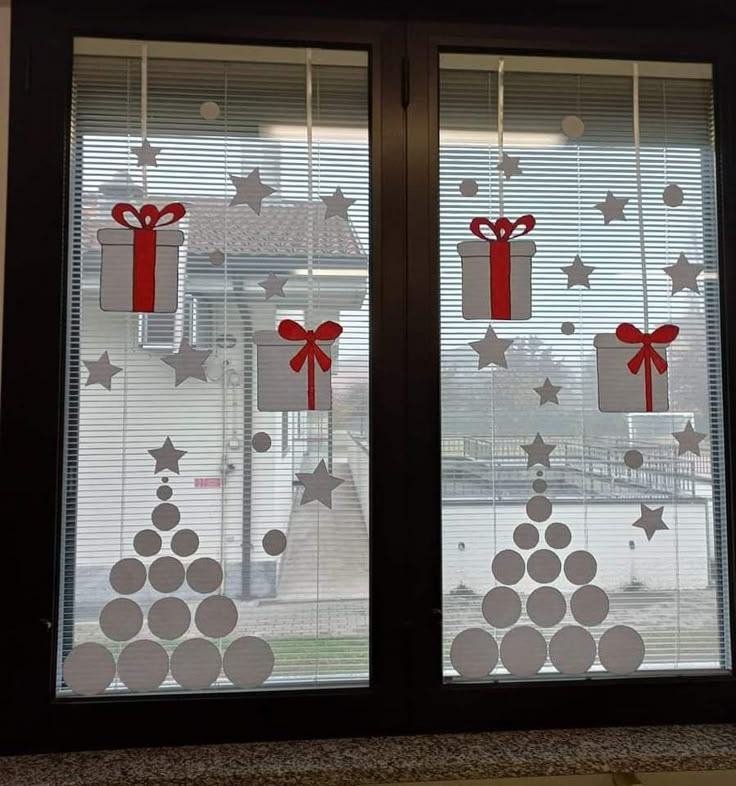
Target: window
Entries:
(201, 553)
(582, 509)
(496, 474)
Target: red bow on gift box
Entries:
(293, 331)
(647, 355)
(499, 257)
(144, 245)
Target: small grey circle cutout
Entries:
(166, 574)
(164, 492)
(165, 516)
(539, 485)
(580, 567)
(558, 535)
(589, 605)
(196, 664)
(523, 651)
(204, 575)
(546, 607)
(572, 126)
(572, 650)
(508, 567)
(169, 618)
(121, 619)
(673, 195)
(274, 542)
(543, 566)
(526, 536)
(147, 542)
(539, 508)
(621, 650)
(185, 542)
(209, 110)
(89, 669)
(567, 328)
(128, 576)
(474, 653)
(248, 662)
(468, 188)
(216, 616)
(261, 442)
(633, 459)
(501, 607)
(143, 665)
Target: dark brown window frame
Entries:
(406, 691)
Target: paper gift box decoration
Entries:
(632, 369)
(140, 263)
(295, 367)
(497, 270)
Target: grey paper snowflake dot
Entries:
(121, 619)
(261, 442)
(216, 257)
(508, 567)
(572, 650)
(274, 542)
(196, 664)
(474, 653)
(165, 516)
(543, 566)
(209, 110)
(501, 607)
(633, 459)
(147, 542)
(558, 535)
(526, 536)
(143, 665)
(248, 662)
(673, 195)
(546, 607)
(572, 126)
(468, 188)
(89, 669)
(539, 508)
(127, 576)
(567, 328)
(523, 651)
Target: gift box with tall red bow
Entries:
(632, 369)
(140, 262)
(295, 367)
(497, 270)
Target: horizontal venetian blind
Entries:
(548, 566)
(235, 555)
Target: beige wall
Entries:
(4, 90)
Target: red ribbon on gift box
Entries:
(144, 246)
(499, 257)
(647, 355)
(293, 331)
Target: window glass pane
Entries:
(582, 436)
(216, 490)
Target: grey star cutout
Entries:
(216, 257)
(612, 208)
(167, 457)
(101, 371)
(146, 154)
(537, 452)
(688, 440)
(491, 349)
(684, 274)
(187, 362)
(318, 485)
(548, 392)
(578, 274)
(250, 191)
(510, 166)
(337, 205)
(273, 285)
(650, 521)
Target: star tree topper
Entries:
(167, 457)
(538, 451)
